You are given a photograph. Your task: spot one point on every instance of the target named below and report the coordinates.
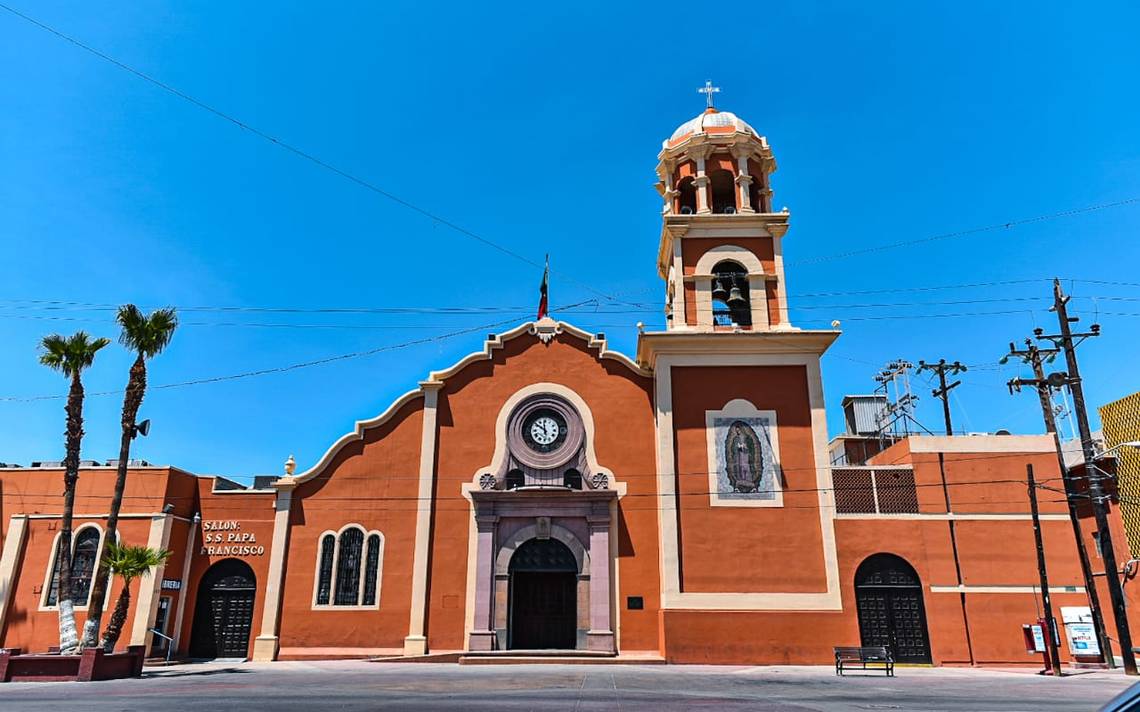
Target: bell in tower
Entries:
(721, 242)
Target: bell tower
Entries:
(720, 253)
(741, 422)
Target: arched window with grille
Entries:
(348, 568)
(325, 569)
(85, 545)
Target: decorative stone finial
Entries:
(290, 466)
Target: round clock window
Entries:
(544, 430)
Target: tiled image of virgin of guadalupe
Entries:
(746, 460)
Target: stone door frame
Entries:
(551, 514)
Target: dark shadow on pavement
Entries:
(183, 672)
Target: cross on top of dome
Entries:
(708, 90)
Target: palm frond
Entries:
(130, 562)
(70, 354)
(146, 335)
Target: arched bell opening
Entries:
(572, 479)
(686, 196)
(731, 303)
(515, 479)
(888, 596)
(755, 194)
(722, 184)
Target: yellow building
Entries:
(1120, 421)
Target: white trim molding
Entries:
(146, 607)
(356, 434)
(545, 329)
(266, 644)
(415, 643)
(1004, 589)
(672, 597)
(757, 290)
(75, 532)
(546, 388)
(956, 516)
(13, 553)
(740, 408)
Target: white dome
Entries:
(711, 121)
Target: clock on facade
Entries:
(544, 430)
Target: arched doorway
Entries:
(543, 597)
(224, 611)
(888, 595)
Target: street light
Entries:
(1135, 444)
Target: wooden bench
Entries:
(879, 657)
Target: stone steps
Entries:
(556, 657)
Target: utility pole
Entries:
(943, 391)
(1051, 636)
(1065, 340)
(1036, 357)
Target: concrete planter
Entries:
(92, 664)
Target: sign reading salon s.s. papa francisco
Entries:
(227, 537)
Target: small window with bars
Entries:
(869, 490)
(348, 568)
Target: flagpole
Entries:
(543, 303)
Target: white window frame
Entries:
(46, 590)
(331, 606)
(740, 408)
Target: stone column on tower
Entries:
(743, 178)
(669, 189)
(701, 182)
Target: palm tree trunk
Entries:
(132, 401)
(118, 617)
(68, 635)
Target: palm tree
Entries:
(69, 355)
(129, 562)
(147, 336)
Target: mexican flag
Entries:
(542, 306)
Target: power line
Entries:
(627, 476)
(459, 506)
(628, 495)
(367, 185)
(61, 305)
(964, 233)
(277, 369)
(490, 243)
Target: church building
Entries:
(547, 493)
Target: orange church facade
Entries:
(547, 493)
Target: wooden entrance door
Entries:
(888, 595)
(543, 598)
(223, 613)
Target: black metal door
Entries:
(223, 613)
(543, 605)
(888, 596)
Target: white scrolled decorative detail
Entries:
(600, 480)
(487, 481)
(546, 329)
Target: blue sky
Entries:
(890, 121)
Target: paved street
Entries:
(365, 686)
